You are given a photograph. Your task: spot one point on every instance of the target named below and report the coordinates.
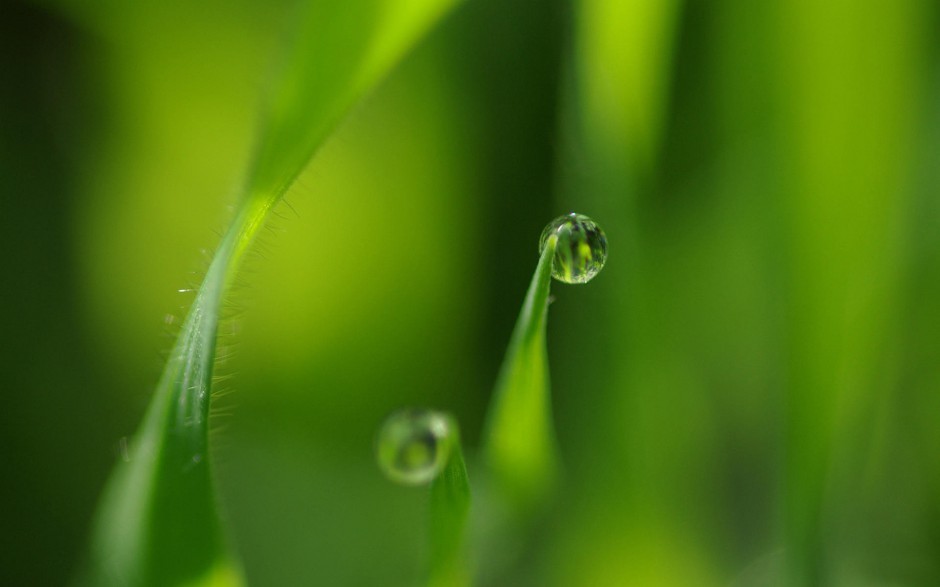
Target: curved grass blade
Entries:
(157, 523)
(519, 439)
(450, 503)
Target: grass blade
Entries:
(844, 275)
(519, 439)
(157, 523)
(450, 503)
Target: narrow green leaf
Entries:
(519, 440)
(157, 523)
(450, 503)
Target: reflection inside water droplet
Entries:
(581, 248)
(413, 445)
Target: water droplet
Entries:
(413, 445)
(581, 249)
(124, 450)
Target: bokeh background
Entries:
(751, 385)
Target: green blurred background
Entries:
(752, 384)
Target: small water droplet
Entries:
(413, 445)
(124, 450)
(581, 249)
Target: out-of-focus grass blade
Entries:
(157, 523)
(624, 50)
(450, 503)
(626, 528)
(845, 233)
(519, 440)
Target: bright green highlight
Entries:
(581, 250)
(624, 50)
(157, 523)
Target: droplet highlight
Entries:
(580, 250)
(413, 445)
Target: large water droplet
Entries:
(413, 445)
(581, 249)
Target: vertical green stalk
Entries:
(637, 487)
(848, 91)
